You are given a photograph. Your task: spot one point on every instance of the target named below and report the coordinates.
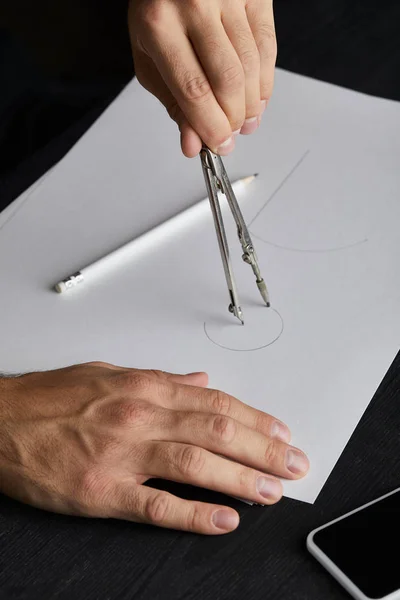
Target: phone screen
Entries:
(365, 546)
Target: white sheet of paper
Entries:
(324, 214)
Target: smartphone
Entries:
(361, 549)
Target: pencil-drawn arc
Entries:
(292, 248)
(312, 250)
(280, 186)
(275, 339)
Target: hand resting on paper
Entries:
(82, 441)
(210, 62)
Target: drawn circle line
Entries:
(310, 250)
(249, 349)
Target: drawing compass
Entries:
(217, 181)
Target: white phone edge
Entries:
(331, 567)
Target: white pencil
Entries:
(144, 241)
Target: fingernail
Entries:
(280, 431)
(249, 126)
(226, 147)
(225, 519)
(235, 133)
(195, 373)
(199, 379)
(269, 488)
(297, 462)
(263, 106)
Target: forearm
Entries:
(5, 416)
(8, 396)
(14, 453)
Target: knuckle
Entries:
(266, 31)
(191, 461)
(91, 487)
(267, 45)
(223, 428)
(220, 403)
(133, 380)
(153, 13)
(270, 451)
(196, 89)
(194, 519)
(250, 60)
(231, 78)
(262, 422)
(98, 363)
(133, 414)
(157, 508)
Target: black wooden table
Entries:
(46, 556)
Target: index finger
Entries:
(191, 398)
(174, 57)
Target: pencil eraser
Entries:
(60, 287)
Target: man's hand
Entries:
(84, 439)
(210, 62)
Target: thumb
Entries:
(198, 379)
